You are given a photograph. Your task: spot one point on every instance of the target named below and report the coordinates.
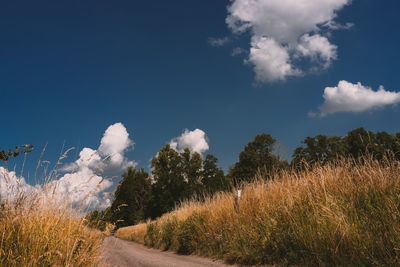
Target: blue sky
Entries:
(71, 69)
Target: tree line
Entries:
(178, 176)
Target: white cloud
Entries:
(337, 26)
(317, 47)
(10, 184)
(217, 42)
(82, 188)
(110, 156)
(271, 60)
(285, 22)
(195, 140)
(82, 185)
(349, 97)
(114, 144)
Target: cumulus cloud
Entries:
(292, 25)
(195, 140)
(11, 184)
(271, 60)
(349, 97)
(83, 184)
(113, 146)
(82, 188)
(110, 155)
(318, 48)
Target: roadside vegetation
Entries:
(179, 176)
(36, 229)
(345, 212)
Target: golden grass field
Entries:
(38, 231)
(346, 213)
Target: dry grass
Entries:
(134, 233)
(345, 213)
(38, 231)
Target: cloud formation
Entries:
(195, 140)
(349, 97)
(10, 184)
(217, 42)
(110, 155)
(290, 28)
(83, 184)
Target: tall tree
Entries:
(168, 180)
(213, 178)
(191, 171)
(131, 200)
(319, 149)
(256, 156)
(359, 142)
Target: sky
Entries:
(127, 77)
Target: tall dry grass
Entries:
(344, 213)
(37, 230)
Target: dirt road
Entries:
(118, 253)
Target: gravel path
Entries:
(118, 253)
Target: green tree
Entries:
(169, 182)
(319, 149)
(213, 177)
(131, 199)
(256, 156)
(359, 142)
(191, 170)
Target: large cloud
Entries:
(292, 28)
(110, 156)
(83, 184)
(11, 184)
(195, 140)
(349, 97)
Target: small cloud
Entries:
(113, 146)
(318, 48)
(238, 51)
(312, 114)
(217, 42)
(337, 26)
(356, 98)
(195, 140)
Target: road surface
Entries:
(119, 253)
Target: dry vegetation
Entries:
(347, 213)
(37, 231)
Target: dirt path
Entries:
(118, 253)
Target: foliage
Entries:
(97, 219)
(257, 156)
(357, 143)
(214, 179)
(131, 199)
(181, 176)
(5, 155)
(345, 213)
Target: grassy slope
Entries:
(341, 214)
(39, 232)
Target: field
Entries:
(36, 230)
(345, 213)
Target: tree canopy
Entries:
(256, 156)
